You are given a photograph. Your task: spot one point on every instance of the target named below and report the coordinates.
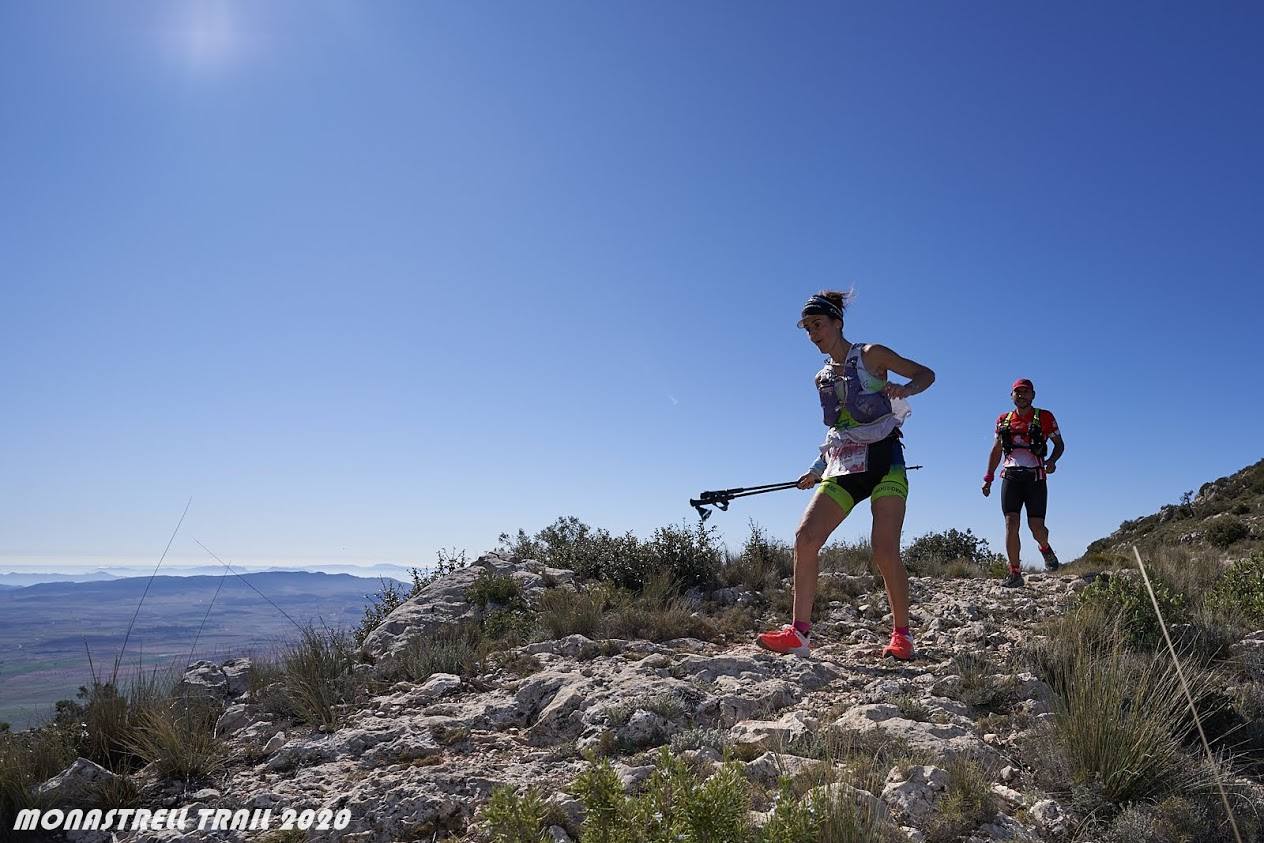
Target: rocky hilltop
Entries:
(961, 744)
(1226, 514)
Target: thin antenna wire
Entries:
(1215, 770)
(211, 605)
(252, 586)
(118, 659)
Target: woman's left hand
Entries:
(896, 390)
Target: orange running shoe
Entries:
(785, 640)
(901, 647)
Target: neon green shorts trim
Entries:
(850, 489)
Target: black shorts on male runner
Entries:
(1024, 487)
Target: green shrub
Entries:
(790, 821)
(490, 588)
(690, 555)
(593, 554)
(940, 548)
(656, 614)
(720, 807)
(762, 563)
(513, 818)
(1127, 596)
(1225, 531)
(1240, 591)
(673, 806)
(504, 629)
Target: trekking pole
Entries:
(720, 499)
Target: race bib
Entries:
(847, 458)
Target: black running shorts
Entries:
(1024, 488)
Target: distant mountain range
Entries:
(21, 579)
(53, 634)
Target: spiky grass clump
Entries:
(967, 802)
(564, 613)
(316, 677)
(451, 649)
(1119, 724)
(179, 741)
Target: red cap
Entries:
(1023, 382)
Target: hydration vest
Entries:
(1035, 434)
(844, 397)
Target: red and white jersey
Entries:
(1019, 424)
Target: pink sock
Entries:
(903, 630)
(804, 628)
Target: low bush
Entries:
(1225, 531)
(492, 589)
(515, 818)
(676, 806)
(27, 759)
(656, 613)
(762, 563)
(690, 555)
(1239, 593)
(912, 708)
(697, 738)
(1127, 597)
(940, 548)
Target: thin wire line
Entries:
(252, 586)
(119, 659)
(1215, 770)
(218, 588)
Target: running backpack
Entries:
(1035, 434)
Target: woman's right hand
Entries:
(808, 480)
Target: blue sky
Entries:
(367, 280)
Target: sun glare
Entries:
(207, 36)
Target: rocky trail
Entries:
(416, 761)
